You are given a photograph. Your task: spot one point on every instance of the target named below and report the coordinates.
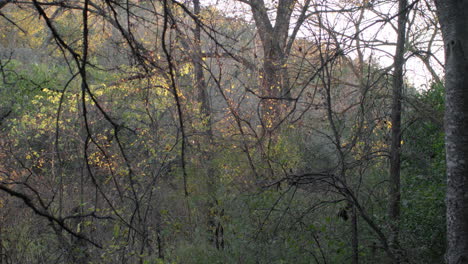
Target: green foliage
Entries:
(423, 181)
(115, 154)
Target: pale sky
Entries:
(416, 72)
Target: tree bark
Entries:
(198, 68)
(4, 3)
(276, 48)
(395, 150)
(1, 241)
(453, 17)
(355, 235)
(214, 225)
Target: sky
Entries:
(416, 72)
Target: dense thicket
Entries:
(248, 131)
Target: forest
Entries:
(233, 131)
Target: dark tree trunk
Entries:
(202, 93)
(160, 243)
(395, 150)
(214, 226)
(355, 235)
(453, 17)
(3, 3)
(274, 41)
(1, 241)
(276, 48)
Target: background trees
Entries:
(250, 131)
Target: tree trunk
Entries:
(395, 150)
(1, 241)
(274, 38)
(198, 68)
(355, 235)
(214, 226)
(453, 17)
(3, 3)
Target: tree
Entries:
(395, 150)
(143, 122)
(453, 17)
(276, 46)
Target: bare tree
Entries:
(276, 48)
(395, 150)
